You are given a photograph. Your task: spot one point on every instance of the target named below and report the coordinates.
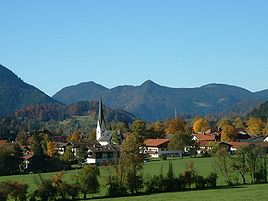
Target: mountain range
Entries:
(149, 101)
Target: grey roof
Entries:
(106, 136)
(255, 139)
(105, 148)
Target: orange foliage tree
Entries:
(201, 125)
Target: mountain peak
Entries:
(149, 83)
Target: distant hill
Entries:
(15, 94)
(151, 101)
(59, 112)
(80, 92)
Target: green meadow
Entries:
(203, 167)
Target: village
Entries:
(104, 150)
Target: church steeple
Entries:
(101, 125)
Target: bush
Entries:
(115, 188)
(3, 195)
(156, 184)
(200, 182)
(212, 180)
(163, 157)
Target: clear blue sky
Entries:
(180, 43)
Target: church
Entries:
(102, 150)
(103, 136)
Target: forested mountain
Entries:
(80, 92)
(260, 112)
(151, 101)
(15, 94)
(59, 112)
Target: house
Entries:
(206, 146)
(99, 154)
(157, 147)
(265, 138)
(94, 152)
(236, 145)
(204, 137)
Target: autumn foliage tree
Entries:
(200, 125)
(228, 133)
(176, 125)
(51, 149)
(254, 126)
(75, 137)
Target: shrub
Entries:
(115, 187)
(212, 180)
(200, 182)
(163, 157)
(156, 184)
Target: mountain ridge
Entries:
(151, 101)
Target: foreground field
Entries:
(203, 166)
(239, 193)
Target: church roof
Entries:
(105, 148)
(101, 119)
(106, 136)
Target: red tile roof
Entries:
(3, 142)
(205, 137)
(239, 144)
(155, 142)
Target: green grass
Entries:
(203, 166)
(238, 193)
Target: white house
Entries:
(157, 147)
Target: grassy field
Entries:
(203, 166)
(238, 193)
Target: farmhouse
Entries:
(157, 147)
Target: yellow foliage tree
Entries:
(223, 122)
(228, 133)
(51, 149)
(265, 130)
(176, 125)
(200, 125)
(75, 137)
(254, 126)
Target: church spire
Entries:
(101, 119)
(101, 125)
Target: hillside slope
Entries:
(15, 94)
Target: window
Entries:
(98, 155)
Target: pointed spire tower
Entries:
(101, 125)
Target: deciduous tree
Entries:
(87, 180)
(254, 126)
(180, 140)
(51, 149)
(131, 163)
(176, 125)
(228, 133)
(200, 125)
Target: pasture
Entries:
(203, 167)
